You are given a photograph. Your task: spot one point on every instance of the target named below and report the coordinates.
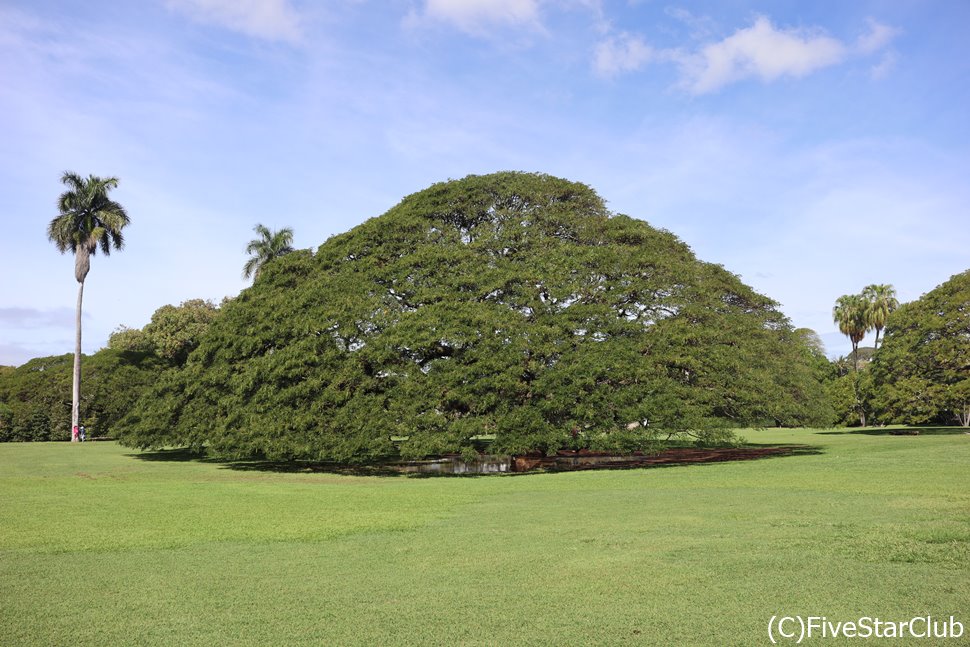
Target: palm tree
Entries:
(842, 365)
(850, 314)
(881, 302)
(88, 220)
(269, 245)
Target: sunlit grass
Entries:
(101, 547)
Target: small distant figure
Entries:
(74, 434)
(81, 433)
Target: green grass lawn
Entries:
(101, 547)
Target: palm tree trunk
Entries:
(76, 386)
(860, 405)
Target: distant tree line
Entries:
(35, 398)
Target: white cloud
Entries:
(474, 16)
(876, 38)
(624, 53)
(266, 19)
(760, 51)
(884, 66)
(700, 26)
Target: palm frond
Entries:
(263, 231)
(251, 267)
(73, 181)
(268, 246)
(59, 232)
(88, 217)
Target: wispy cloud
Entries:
(267, 19)
(884, 66)
(37, 317)
(761, 51)
(33, 332)
(878, 37)
(478, 16)
(622, 53)
(701, 27)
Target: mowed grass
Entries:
(101, 547)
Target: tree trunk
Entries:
(855, 356)
(876, 344)
(860, 405)
(76, 386)
(82, 263)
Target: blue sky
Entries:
(810, 147)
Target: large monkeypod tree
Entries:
(512, 308)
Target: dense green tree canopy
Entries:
(173, 332)
(510, 306)
(922, 369)
(35, 399)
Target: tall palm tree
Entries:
(269, 245)
(89, 220)
(850, 314)
(881, 302)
